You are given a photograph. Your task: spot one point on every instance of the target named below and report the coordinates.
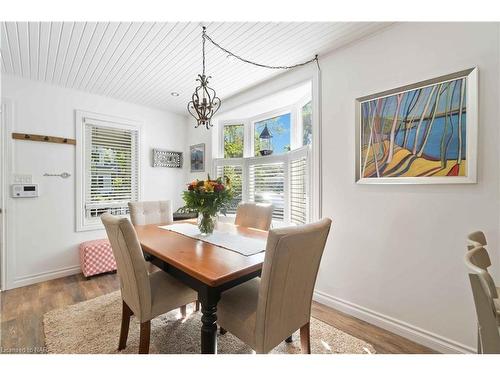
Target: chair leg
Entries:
(144, 337)
(305, 339)
(197, 306)
(126, 314)
(289, 339)
(183, 311)
(222, 331)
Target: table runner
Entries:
(240, 244)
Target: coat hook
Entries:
(45, 138)
(27, 136)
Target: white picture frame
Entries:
(470, 77)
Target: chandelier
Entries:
(204, 101)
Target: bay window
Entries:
(281, 178)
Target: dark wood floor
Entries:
(22, 312)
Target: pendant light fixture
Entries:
(204, 101)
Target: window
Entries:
(233, 141)
(282, 177)
(280, 129)
(108, 172)
(306, 116)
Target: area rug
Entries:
(93, 327)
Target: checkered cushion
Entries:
(96, 257)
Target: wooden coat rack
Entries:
(43, 138)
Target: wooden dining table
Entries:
(207, 268)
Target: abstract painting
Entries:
(421, 133)
(197, 153)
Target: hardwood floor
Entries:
(22, 309)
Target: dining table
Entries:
(205, 267)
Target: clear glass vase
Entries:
(206, 223)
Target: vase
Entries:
(206, 223)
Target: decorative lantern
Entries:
(266, 142)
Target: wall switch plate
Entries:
(22, 179)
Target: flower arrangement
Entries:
(208, 198)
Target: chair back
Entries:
(291, 263)
(151, 212)
(474, 260)
(489, 335)
(254, 215)
(481, 258)
(132, 271)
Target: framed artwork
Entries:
(169, 159)
(197, 153)
(423, 133)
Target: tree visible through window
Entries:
(306, 113)
(233, 141)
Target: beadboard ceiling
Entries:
(144, 62)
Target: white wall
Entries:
(395, 254)
(42, 242)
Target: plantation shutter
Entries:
(267, 185)
(282, 180)
(111, 167)
(235, 175)
(298, 182)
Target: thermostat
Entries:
(24, 190)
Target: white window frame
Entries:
(82, 222)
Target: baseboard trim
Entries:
(44, 276)
(416, 334)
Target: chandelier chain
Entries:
(286, 67)
(203, 47)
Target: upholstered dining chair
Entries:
(487, 307)
(145, 295)
(151, 212)
(154, 212)
(254, 215)
(481, 257)
(264, 311)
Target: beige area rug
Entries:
(94, 327)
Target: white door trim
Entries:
(5, 169)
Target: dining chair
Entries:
(145, 295)
(254, 215)
(487, 307)
(481, 257)
(264, 311)
(154, 212)
(151, 212)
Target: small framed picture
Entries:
(197, 156)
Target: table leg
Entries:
(209, 299)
